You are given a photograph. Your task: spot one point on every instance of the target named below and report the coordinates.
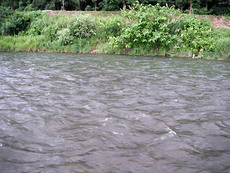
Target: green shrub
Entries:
(30, 8)
(19, 21)
(50, 32)
(16, 23)
(82, 26)
(88, 8)
(64, 37)
(148, 27)
(222, 50)
(37, 26)
(21, 43)
(111, 26)
(193, 34)
(224, 10)
(4, 14)
(159, 28)
(55, 24)
(64, 29)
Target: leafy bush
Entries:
(109, 5)
(83, 26)
(222, 50)
(4, 14)
(50, 31)
(111, 26)
(148, 27)
(159, 28)
(37, 26)
(88, 8)
(64, 37)
(221, 10)
(193, 34)
(30, 8)
(200, 11)
(19, 22)
(65, 29)
(53, 25)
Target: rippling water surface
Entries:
(69, 113)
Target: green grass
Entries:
(40, 43)
(21, 43)
(222, 51)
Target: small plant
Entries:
(50, 32)
(111, 26)
(64, 37)
(37, 26)
(88, 8)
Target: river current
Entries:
(64, 113)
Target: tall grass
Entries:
(222, 51)
(21, 43)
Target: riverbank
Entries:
(41, 44)
(140, 31)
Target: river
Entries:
(64, 113)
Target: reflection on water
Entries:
(103, 113)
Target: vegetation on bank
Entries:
(141, 30)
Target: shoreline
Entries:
(94, 53)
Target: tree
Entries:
(63, 5)
(95, 5)
(190, 9)
(12, 5)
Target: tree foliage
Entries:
(157, 27)
(218, 7)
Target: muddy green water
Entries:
(64, 113)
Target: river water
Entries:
(64, 113)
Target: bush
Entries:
(65, 29)
(19, 21)
(193, 34)
(64, 37)
(88, 8)
(109, 5)
(111, 26)
(148, 27)
(30, 8)
(222, 50)
(158, 28)
(221, 10)
(37, 26)
(50, 32)
(83, 26)
(4, 15)
(55, 24)
(16, 23)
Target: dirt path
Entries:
(216, 21)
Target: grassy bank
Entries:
(143, 30)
